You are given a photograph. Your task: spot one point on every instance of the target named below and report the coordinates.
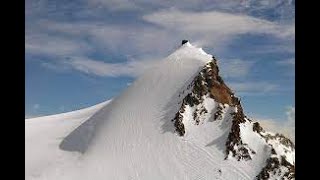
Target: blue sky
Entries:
(79, 53)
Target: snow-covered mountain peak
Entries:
(178, 120)
(187, 52)
(186, 43)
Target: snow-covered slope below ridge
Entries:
(177, 121)
(44, 134)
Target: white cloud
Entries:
(139, 43)
(287, 62)
(99, 68)
(253, 88)
(286, 128)
(217, 26)
(37, 43)
(281, 7)
(213, 29)
(144, 5)
(115, 5)
(57, 67)
(138, 40)
(280, 47)
(235, 68)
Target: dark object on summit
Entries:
(184, 41)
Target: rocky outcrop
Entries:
(206, 83)
(286, 142)
(234, 144)
(277, 165)
(277, 168)
(209, 84)
(218, 114)
(256, 127)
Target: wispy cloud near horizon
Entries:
(235, 68)
(254, 88)
(286, 127)
(287, 62)
(99, 68)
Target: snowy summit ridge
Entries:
(179, 120)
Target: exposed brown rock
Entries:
(221, 94)
(218, 90)
(208, 82)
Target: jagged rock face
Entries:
(277, 168)
(277, 165)
(234, 142)
(210, 82)
(209, 85)
(276, 137)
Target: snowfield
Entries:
(133, 137)
(43, 136)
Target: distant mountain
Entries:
(179, 120)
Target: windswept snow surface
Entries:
(133, 136)
(43, 136)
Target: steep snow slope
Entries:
(44, 134)
(171, 123)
